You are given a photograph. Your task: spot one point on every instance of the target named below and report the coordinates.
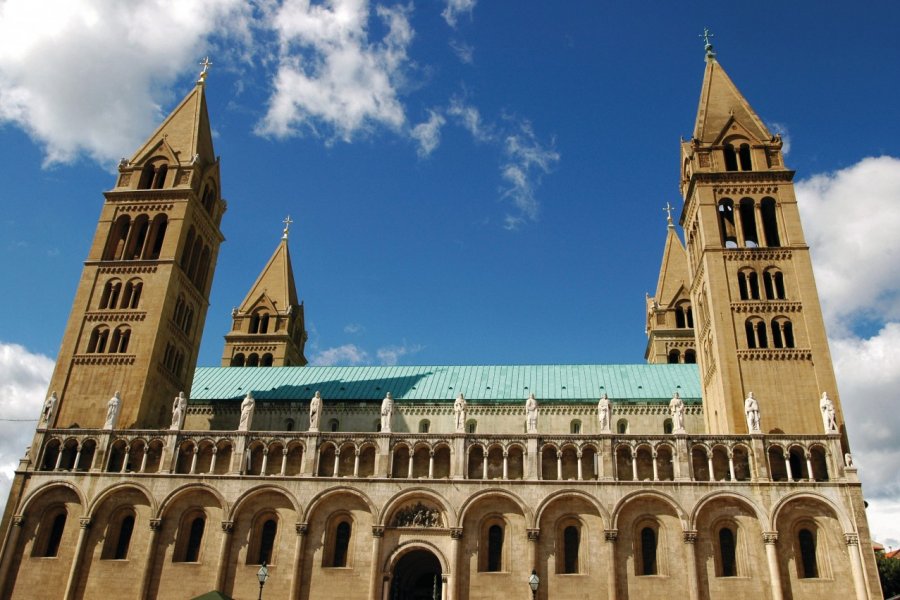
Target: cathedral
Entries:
(720, 467)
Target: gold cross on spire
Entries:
(206, 64)
(668, 210)
(287, 225)
(707, 35)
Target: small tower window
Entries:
(471, 426)
(667, 426)
(622, 426)
(748, 223)
(731, 163)
(744, 156)
(575, 427)
(726, 223)
(424, 426)
(770, 222)
(674, 357)
(690, 357)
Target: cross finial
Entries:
(206, 64)
(707, 35)
(668, 210)
(287, 225)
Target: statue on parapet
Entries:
(48, 412)
(248, 407)
(387, 413)
(315, 411)
(604, 413)
(828, 414)
(179, 411)
(531, 414)
(113, 408)
(751, 409)
(459, 409)
(676, 409)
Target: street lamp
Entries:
(262, 575)
(533, 582)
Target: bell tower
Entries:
(268, 329)
(141, 302)
(757, 317)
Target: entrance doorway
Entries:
(417, 576)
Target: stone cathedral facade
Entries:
(720, 468)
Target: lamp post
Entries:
(533, 582)
(262, 575)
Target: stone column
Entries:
(731, 464)
(634, 473)
(412, 453)
(611, 535)
(809, 470)
(456, 534)
(505, 464)
(124, 468)
(284, 455)
(431, 464)
(356, 463)
(75, 570)
(770, 539)
(212, 463)
(147, 575)
(375, 575)
(59, 458)
(337, 462)
(559, 473)
(606, 460)
(709, 462)
(224, 552)
(239, 451)
(298, 560)
(787, 466)
(77, 458)
(194, 459)
(534, 535)
(856, 569)
(458, 460)
(690, 540)
(578, 459)
(310, 454)
(654, 456)
(10, 548)
(532, 458)
(484, 465)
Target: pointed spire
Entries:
(673, 273)
(720, 102)
(287, 225)
(186, 131)
(707, 45)
(276, 281)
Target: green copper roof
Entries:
(502, 384)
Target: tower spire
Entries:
(707, 44)
(206, 64)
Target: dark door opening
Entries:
(417, 576)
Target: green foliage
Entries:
(889, 574)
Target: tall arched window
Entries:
(156, 237)
(187, 249)
(118, 536)
(648, 552)
(744, 156)
(773, 282)
(110, 296)
(726, 223)
(690, 357)
(209, 198)
(770, 222)
(731, 163)
(49, 541)
(131, 297)
(782, 333)
(146, 180)
(194, 533)
(115, 245)
(571, 542)
(495, 549)
(809, 568)
(727, 552)
(159, 178)
(748, 223)
(341, 544)
(98, 339)
(137, 237)
(267, 541)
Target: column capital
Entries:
(533, 534)
(456, 533)
(155, 524)
(852, 539)
(18, 520)
(301, 528)
(228, 527)
(377, 531)
(689, 536)
(611, 535)
(770, 537)
(84, 522)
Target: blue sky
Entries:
(471, 182)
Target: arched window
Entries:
(748, 223)
(756, 333)
(289, 425)
(495, 549)
(667, 426)
(209, 198)
(266, 360)
(424, 426)
(156, 237)
(203, 269)
(809, 568)
(267, 541)
(690, 357)
(146, 180)
(115, 245)
(120, 338)
(131, 297)
(622, 426)
(782, 333)
(773, 282)
(187, 249)
(110, 296)
(159, 178)
(726, 223)
(731, 163)
(680, 320)
(136, 238)
(334, 425)
(471, 426)
(341, 544)
(118, 536)
(770, 222)
(49, 541)
(648, 552)
(237, 360)
(98, 339)
(571, 542)
(727, 552)
(674, 357)
(748, 284)
(744, 156)
(194, 533)
(575, 427)
(253, 360)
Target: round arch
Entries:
(323, 496)
(761, 516)
(842, 518)
(417, 492)
(259, 490)
(47, 488)
(478, 496)
(411, 546)
(188, 488)
(118, 487)
(629, 498)
(562, 494)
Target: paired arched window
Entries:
(259, 322)
(153, 176)
(782, 333)
(98, 340)
(121, 336)
(195, 259)
(684, 317)
(131, 297)
(773, 282)
(184, 315)
(748, 284)
(756, 333)
(173, 359)
(737, 157)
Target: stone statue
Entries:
(604, 413)
(48, 412)
(676, 409)
(828, 418)
(113, 407)
(848, 460)
(387, 412)
(315, 411)
(531, 414)
(247, 408)
(179, 410)
(459, 408)
(751, 409)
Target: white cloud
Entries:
(353, 328)
(330, 73)
(527, 161)
(22, 390)
(348, 354)
(455, 8)
(850, 217)
(464, 52)
(469, 118)
(390, 355)
(89, 76)
(428, 133)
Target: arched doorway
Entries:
(417, 576)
